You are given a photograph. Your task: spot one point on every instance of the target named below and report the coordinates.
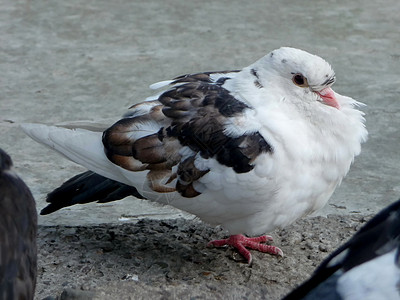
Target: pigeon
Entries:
(365, 267)
(250, 150)
(18, 228)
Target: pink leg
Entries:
(240, 242)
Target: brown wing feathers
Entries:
(191, 114)
(204, 77)
(188, 173)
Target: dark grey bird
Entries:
(366, 267)
(18, 228)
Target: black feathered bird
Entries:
(18, 228)
(366, 267)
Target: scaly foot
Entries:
(240, 242)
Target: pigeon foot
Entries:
(241, 242)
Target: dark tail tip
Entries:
(87, 187)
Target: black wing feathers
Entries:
(87, 187)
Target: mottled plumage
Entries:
(191, 114)
(365, 267)
(18, 227)
(250, 150)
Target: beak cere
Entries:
(328, 97)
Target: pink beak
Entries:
(328, 97)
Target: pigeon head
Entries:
(306, 77)
(5, 161)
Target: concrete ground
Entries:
(85, 60)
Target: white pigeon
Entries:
(251, 150)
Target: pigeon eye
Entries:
(300, 80)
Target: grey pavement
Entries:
(72, 60)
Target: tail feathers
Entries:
(95, 126)
(87, 187)
(79, 145)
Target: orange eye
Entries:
(300, 80)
